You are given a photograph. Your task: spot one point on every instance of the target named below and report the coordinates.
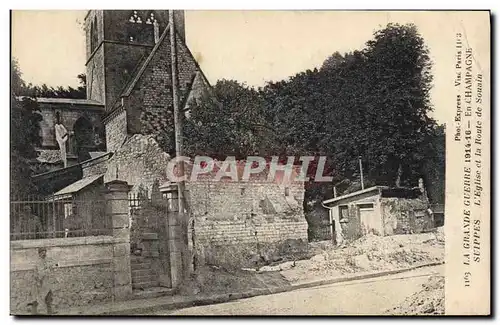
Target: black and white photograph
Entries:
(249, 163)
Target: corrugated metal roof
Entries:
(78, 185)
(366, 190)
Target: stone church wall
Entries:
(140, 161)
(70, 111)
(116, 130)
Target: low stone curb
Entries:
(177, 302)
(360, 276)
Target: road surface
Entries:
(362, 297)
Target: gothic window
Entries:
(151, 19)
(93, 35)
(135, 18)
(84, 138)
(142, 31)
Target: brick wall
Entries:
(83, 273)
(239, 222)
(150, 104)
(140, 161)
(116, 130)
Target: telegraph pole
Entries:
(178, 143)
(361, 172)
(175, 96)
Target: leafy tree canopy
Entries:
(24, 135)
(371, 104)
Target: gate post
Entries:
(174, 233)
(117, 210)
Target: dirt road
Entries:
(362, 297)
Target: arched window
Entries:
(93, 35)
(84, 138)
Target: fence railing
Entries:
(58, 217)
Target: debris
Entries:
(369, 253)
(428, 301)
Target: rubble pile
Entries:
(369, 253)
(428, 301)
(214, 279)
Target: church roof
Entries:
(129, 87)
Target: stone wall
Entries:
(70, 113)
(121, 61)
(83, 273)
(140, 161)
(404, 216)
(241, 223)
(96, 74)
(116, 130)
(95, 166)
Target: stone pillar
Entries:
(117, 209)
(174, 234)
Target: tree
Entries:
(227, 122)
(399, 66)
(24, 136)
(372, 103)
(435, 165)
(56, 92)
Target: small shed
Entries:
(83, 207)
(379, 210)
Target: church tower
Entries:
(117, 41)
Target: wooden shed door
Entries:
(370, 221)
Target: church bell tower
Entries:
(117, 41)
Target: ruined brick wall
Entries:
(403, 216)
(116, 130)
(239, 223)
(83, 273)
(140, 161)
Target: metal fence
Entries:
(58, 217)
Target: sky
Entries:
(250, 46)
